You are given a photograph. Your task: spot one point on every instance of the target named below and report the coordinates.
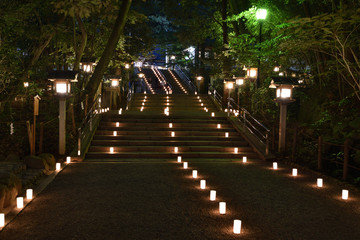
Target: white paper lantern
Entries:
(219, 126)
(179, 159)
(117, 124)
(194, 173)
(212, 195)
(115, 133)
(29, 194)
(176, 149)
(275, 165)
(58, 166)
(68, 159)
(19, 202)
(237, 226)
(120, 110)
(213, 114)
(226, 134)
(173, 134)
(170, 125)
(202, 184)
(319, 182)
(111, 149)
(202, 104)
(244, 159)
(345, 194)
(2, 219)
(294, 172)
(222, 207)
(236, 150)
(185, 165)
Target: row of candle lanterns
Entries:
(29, 196)
(222, 205)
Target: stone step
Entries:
(167, 138)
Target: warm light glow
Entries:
(19, 202)
(252, 72)
(170, 125)
(213, 114)
(283, 93)
(2, 219)
(239, 81)
(237, 226)
(179, 158)
(26, 84)
(173, 134)
(78, 152)
(219, 126)
(111, 149)
(275, 165)
(276, 69)
(244, 159)
(114, 82)
(58, 166)
(117, 124)
(68, 159)
(236, 150)
(120, 111)
(229, 85)
(222, 207)
(185, 165)
(115, 133)
(345, 194)
(226, 134)
(176, 149)
(202, 184)
(61, 87)
(294, 172)
(261, 14)
(212, 195)
(194, 173)
(29, 194)
(198, 97)
(319, 182)
(199, 78)
(127, 66)
(202, 104)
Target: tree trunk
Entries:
(82, 46)
(109, 49)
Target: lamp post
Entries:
(260, 16)
(61, 85)
(114, 89)
(229, 84)
(198, 82)
(172, 58)
(283, 88)
(239, 82)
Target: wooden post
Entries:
(41, 137)
(294, 144)
(346, 159)
(29, 130)
(282, 127)
(273, 138)
(320, 143)
(86, 104)
(73, 119)
(36, 113)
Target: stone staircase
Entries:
(146, 133)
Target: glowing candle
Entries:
(319, 182)
(117, 124)
(179, 158)
(275, 165)
(143, 104)
(202, 104)
(68, 159)
(170, 125)
(226, 134)
(345, 194)
(202, 184)
(29, 194)
(225, 110)
(185, 165)
(111, 149)
(176, 149)
(19, 202)
(236, 150)
(141, 109)
(58, 166)
(115, 133)
(120, 111)
(222, 207)
(198, 97)
(213, 114)
(219, 126)
(194, 173)
(237, 226)
(2, 219)
(173, 134)
(212, 195)
(206, 110)
(244, 159)
(294, 172)
(78, 152)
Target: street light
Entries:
(61, 85)
(252, 73)
(239, 82)
(229, 84)
(114, 89)
(87, 65)
(260, 16)
(284, 87)
(198, 81)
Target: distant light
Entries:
(127, 66)
(276, 69)
(68, 159)
(185, 165)
(179, 159)
(219, 125)
(202, 184)
(261, 14)
(236, 150)
(244, 159)
(78, 152)
(275, 165)
(114, 82)
(172, 134)
(213, 114)
(237, 226)
(115, 133)
(176, 149)
(198, 97)
(26, 84)
(222, 207)
(212, 195)
(229, 85)
(29, 194)
(117, 124)
(58, 166)
(239, 81)
(194, 173)
(294, 172)
(345, 194)
(170, 125)
(226, 134)
(319, 182)
(202, 104)
(2, 219)
(111, 149)
(19, 202)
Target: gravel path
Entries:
(162, 201)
